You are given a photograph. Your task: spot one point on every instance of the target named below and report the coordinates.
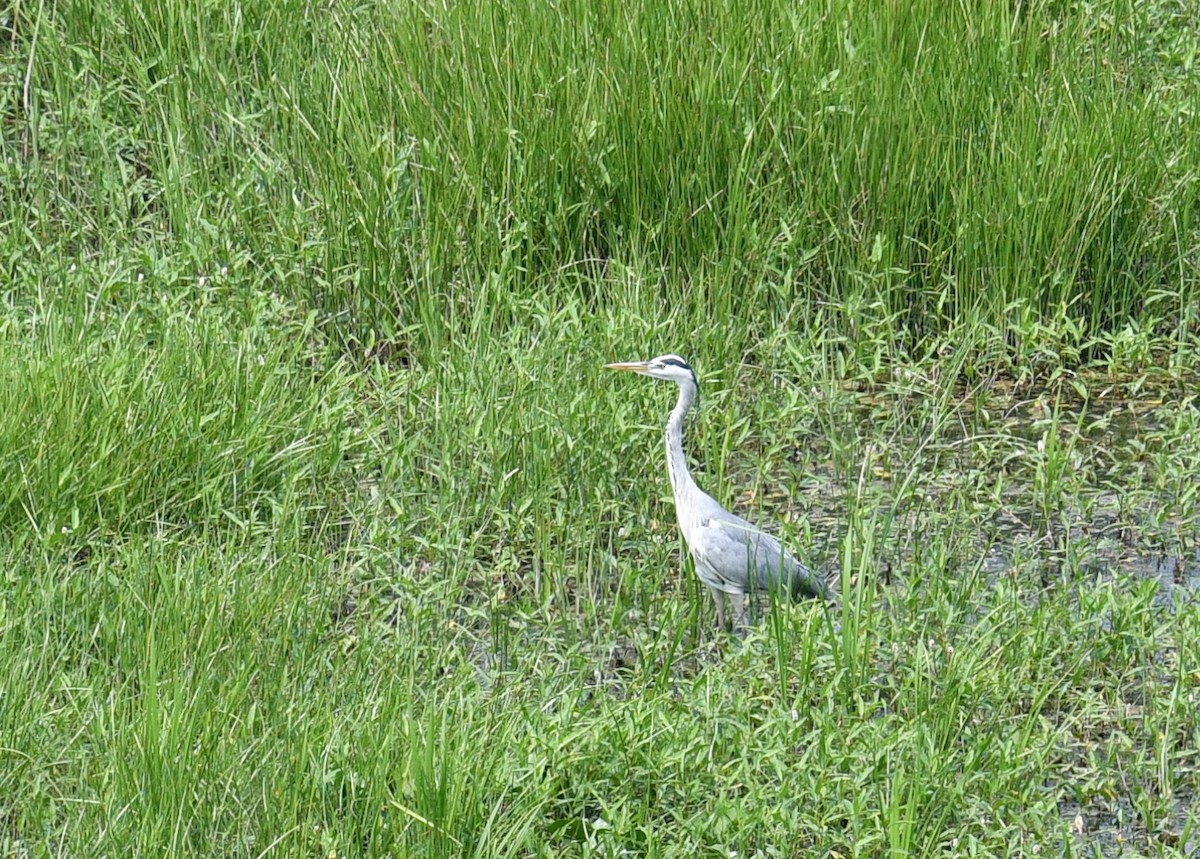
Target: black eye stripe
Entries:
(675, 362)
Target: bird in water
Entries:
(733, 557)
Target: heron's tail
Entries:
(806, 583)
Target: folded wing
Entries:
(739, 558)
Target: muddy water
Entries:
(1122, 500)
(1124, 504)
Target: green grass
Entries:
(323, 532)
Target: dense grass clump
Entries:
(938, 162)
(117, 422)
(323, 531)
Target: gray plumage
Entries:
(732, 556)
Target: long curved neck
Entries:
(681, 479)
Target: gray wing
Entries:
(736, 551)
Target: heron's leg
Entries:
(741, 620)
(719, 599)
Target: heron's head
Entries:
(669, 367)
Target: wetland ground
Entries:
(323, 531)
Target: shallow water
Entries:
(1121, 501)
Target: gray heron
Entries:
(732, 557)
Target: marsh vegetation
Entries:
(324, 533)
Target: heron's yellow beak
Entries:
(629, 366)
